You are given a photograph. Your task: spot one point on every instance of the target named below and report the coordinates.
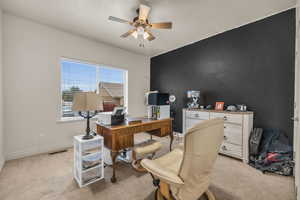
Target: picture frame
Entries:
(219, 105)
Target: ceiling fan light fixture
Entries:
(135, 34)
(142, 27)
(140, 30)
(146, 35)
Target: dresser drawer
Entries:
(229, 118)
(231, 150)
(233, 134)
(192, 122)
(197, 115)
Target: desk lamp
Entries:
(84, 103)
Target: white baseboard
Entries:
(53, 148)
(45, 149)
(21, 153)
(35, 151)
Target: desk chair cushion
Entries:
(147, 147)
(166, 167)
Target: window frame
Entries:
(98, 66)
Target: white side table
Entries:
(88, 160)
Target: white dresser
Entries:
(237, 128)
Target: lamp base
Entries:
(87, 137)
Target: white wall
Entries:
(1, 99)
(32, 83)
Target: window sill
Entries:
(73, 119)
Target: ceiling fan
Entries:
(141, 24)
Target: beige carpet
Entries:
(50, 177)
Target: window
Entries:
(76, 76)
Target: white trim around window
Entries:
(61, 119)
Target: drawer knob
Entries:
(224, 126)
(224, 148)
(225, 137)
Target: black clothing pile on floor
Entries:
(270, 151)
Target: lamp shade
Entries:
(87, 101)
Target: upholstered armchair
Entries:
(185, 173)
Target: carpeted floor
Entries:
(50, 177)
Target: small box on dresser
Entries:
(88, 160)
(237, 129)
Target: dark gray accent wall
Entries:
(252, 65)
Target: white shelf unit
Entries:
(88, 160)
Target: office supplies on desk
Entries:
(158, 99)
(112, 118)
(158, 112)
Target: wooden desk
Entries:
(119, 137)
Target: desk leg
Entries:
(114, 157)
(171, 140)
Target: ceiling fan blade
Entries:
(144, 12)
(116, 19)
(162, 25)
(151, 36)
(128, 33)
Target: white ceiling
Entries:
(193, 20)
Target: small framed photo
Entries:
(219, 105)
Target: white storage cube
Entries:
(91, 145)
(91, 175)
(88, 160)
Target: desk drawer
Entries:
(164, 131)
(123, 139)
(229, 118)
(150, 127)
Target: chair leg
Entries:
(210, 195)
(164, 190)
(158, 195)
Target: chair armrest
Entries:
(161, 173)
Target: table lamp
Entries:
(84, 103)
